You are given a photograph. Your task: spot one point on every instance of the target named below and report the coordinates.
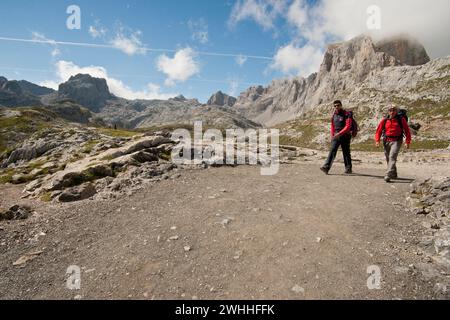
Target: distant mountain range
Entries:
(360, 72)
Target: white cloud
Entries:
(129, 42)
(234, 85)
(199, 30)
(263, 12)
(66, 69)
(97, 31)
(37, 36)
(41, 37)
(179, 68)
(49, 84)
(55, 52)
(240, 60)
(344, 19)
(297, 60)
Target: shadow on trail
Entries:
(397, 180)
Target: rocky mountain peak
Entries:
(86, 90)
(2, 81)
(179, 98)
(221, 99)
(406, 50)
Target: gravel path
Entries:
(223, 233)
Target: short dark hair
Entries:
(338, 102)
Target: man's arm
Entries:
(347, 128)
(379, 131)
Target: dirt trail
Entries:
(249, 237)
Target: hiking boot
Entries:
(324, 170)
(348, 171)
(394, 176)
(387, 179)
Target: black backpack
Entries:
(402, 113)
(355, 126)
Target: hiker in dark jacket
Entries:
(341, 126)
(393, 128)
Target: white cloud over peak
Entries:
(298, 60)
(179, 68)
(344, 19)
(263, 12)
(326, 21)
(66, 69)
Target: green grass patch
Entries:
(89, 146)
(369, 145)
(107, 158)
(309, 132)
(429, 144)
(6, 178)
(46, 197)
(118, 133)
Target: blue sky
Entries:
(210, 44)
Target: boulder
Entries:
(16, 212)
(78, 193)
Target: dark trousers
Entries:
(344, 143)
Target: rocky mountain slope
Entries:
(18, 93)
(344, 68)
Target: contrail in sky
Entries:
(108, 46)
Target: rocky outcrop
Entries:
(92, 93)
(221, 99)
(71, 112)
(16, 212)
(407, 51)
(431, 198)
(30, 151)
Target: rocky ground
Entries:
(230, 233)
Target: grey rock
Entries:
(150, 143)
(406, 50)
(31, 150)
(78, 193)
(16, 212)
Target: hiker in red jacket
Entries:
(341, 126)
(393, 128)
